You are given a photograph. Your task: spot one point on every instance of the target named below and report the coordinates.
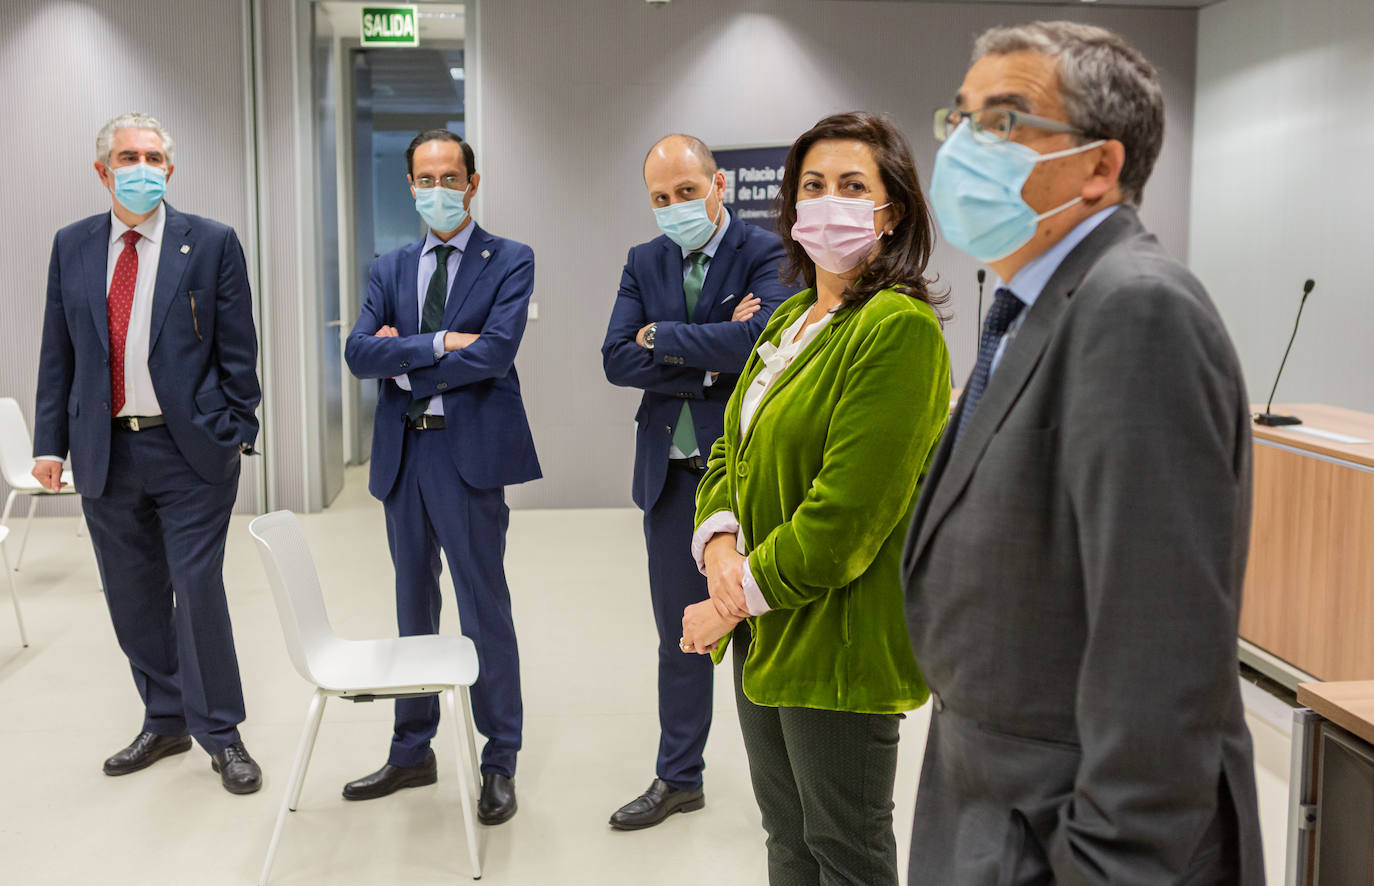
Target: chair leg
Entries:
(460, 727)
(28, 524)
(470, 733)
(297, 777)
(14, 592)
(9, 506)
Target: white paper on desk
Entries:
(1327, 435)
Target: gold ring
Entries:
(683, 644)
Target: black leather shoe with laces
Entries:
(239, 772)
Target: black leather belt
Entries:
(138, 422)
(425, 422)
(694, 463)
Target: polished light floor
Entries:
(587, 642)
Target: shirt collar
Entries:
(150, 229)
(714, 243)
(459, 241)
(1027, 283)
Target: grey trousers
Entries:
(823, 781)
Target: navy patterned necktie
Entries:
(1005, 309)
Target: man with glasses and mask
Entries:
(1074, 566)
(439, 329)
(692, 303)
(147, 376)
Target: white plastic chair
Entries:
(361, 670)
(16, 463)
(14, 587)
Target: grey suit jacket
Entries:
(1073, 578)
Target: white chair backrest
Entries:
(295, 587)
(16, 446)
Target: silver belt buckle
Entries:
(133, 423)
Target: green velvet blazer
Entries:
(823, 485)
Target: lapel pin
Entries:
(185, 248)
(486, 253)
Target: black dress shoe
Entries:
(239, 772)
(390, 779)
(497, 803)
(146, 750)
(657, 803)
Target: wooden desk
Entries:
(1309, 587)
(1331, 786)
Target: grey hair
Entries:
(132, 120)
(1108, 88)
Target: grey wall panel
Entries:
(68, 68)
(1282, 187)
(574, 93)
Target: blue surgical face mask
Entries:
(139, 188)
(687, 224)
(976, 193)
(441, 208)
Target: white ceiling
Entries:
(1187, 4)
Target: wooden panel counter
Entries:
(1309, 587)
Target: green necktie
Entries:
(432, 314)
(684, 437)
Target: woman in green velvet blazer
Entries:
(806, 500)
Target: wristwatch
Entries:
(649, 336)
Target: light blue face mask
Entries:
(139, 188)
(441, 208)
(976, 193)
(687, 224)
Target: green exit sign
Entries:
(390, 26)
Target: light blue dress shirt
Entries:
(710, 252)
(1027, 283)
(429, 263)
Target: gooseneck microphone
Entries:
(978, 327)
(1266, 417)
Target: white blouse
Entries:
(775, 360)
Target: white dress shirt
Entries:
(709, 250)
(139, 396)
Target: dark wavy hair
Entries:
(901, 261)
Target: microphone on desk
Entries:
(1271, 419)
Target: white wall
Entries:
(1283, 187)
(68, 68)
(574, 93)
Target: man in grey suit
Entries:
(1074, 567)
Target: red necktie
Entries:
(119, 304)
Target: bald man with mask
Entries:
(692, 303)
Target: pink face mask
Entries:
(837, 232)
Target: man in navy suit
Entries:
(148, 378)
(691, 305)
(439, 329)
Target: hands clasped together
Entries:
(704, 624)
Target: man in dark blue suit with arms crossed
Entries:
(440, 327)
(148, 377)
(691, 305)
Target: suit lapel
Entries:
(406, 311)
(475, 258)
(670, 266)
(814, 347)
(174, 254)
(95, 258)
(1018, 363)
(717, 270)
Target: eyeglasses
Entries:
(452, 182)
(994, 124)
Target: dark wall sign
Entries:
(752, 179)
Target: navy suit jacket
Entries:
(684, 351)
(488, 433)
(202, 352)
